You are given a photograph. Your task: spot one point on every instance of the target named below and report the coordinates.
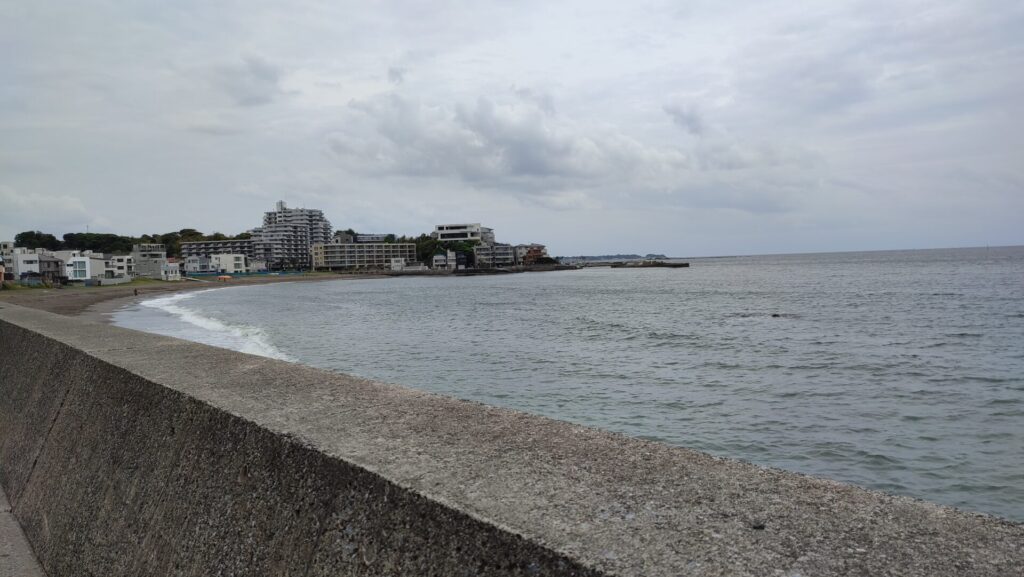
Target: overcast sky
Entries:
(689, 128)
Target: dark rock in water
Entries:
(776, 315)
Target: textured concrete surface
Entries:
(16, 558)
(126, 453)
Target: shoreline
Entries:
(96, 304)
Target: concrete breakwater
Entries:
(124, 453)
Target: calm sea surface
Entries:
(901, 371)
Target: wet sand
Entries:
(96, 303)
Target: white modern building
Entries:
(197, 265)
(81, 265)
(229, 263)
(24, 263)
(121, 265)
(463, 232)
(445, 261)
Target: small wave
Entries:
(1004, 402)
(243, 338)
(748, 315)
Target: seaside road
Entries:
(16, 557)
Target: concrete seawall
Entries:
(124, 453)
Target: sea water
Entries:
(901, 371)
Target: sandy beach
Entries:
(96, 303)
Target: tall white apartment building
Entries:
(287, 235)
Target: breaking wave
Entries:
(238, 337)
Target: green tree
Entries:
(190, 235)
(37, 239)
(98, 242)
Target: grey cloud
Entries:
(914, 106)
(253, 82)
(520, 149)
(687, 118)
(543, 100)
(30, 210)
(516, 146)
(209, 123)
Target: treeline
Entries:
(114, 243)
(427, 246)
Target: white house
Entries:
(120, 265)
(25, 263)
(196, 264)
(82, 265)
(170, 271)
(448, 260)
(229, 263)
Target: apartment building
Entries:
(374, 237)
(6, 252)
(197, 264)
(359, 255)
(496, 255)
(121, 265)
(529, 253)
(288, 234)
(149, 260)
(206, 248)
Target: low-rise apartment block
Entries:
(207, 248)
(494, 256)
(149, 260)
(196, 264)
(121, 265)
(374, 237)
(529, 253)
(359, 255)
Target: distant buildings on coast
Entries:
(288, 239)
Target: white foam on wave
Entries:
(239, 337)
